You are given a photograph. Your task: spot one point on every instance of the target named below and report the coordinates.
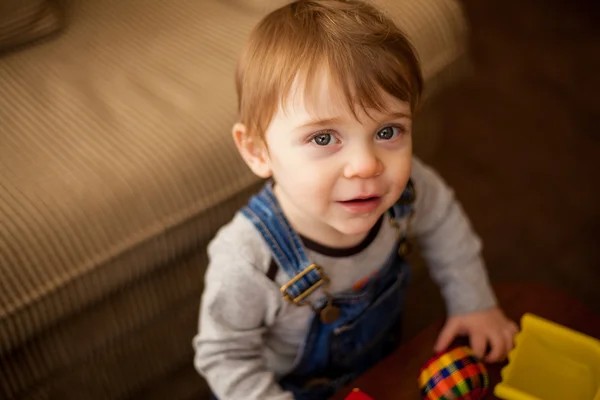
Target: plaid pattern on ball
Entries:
(456, 374)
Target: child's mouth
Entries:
(361, 205)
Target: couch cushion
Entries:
(24, 21)
(115, 151)
(117, 346)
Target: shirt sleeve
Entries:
(237, 301)
(449, 245)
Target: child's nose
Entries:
(363, 164)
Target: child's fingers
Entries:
(509, 335)
(478, 343)
(514, 329)
(446, 336)
(498, 348)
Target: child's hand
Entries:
(490, 327)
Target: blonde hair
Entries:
(361, 49)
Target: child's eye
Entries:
(323, 139)
(389, 132)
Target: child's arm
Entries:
(449, 245)
(237, 300)
(453, 253)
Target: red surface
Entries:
(356, 394)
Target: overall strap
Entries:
(404, 207)
(264, 211)
(402, 212)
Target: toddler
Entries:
(305, 286)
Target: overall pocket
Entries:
(374, 334)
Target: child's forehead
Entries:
(317, 96)
(323, 97)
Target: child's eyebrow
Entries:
(318, 123)
(398, 115)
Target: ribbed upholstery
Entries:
(116, 166)
(113, 136)
(25, 21)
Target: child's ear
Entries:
(253, 151)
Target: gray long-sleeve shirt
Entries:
(249, 336)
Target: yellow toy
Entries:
(551, 362)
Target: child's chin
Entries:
(358, 227)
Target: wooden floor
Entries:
(522, 141)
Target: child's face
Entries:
(336, 175)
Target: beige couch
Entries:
(116, 169)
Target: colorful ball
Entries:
(456, 374)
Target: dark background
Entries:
(521, 145)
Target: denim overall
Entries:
(367, 329)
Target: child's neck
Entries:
(333, 239)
